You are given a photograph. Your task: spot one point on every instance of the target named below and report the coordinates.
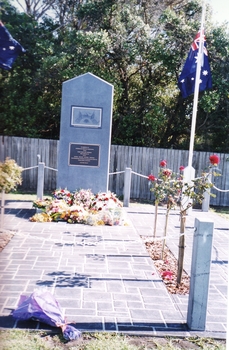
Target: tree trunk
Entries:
(180, 262)
(165, 232)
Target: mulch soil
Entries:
(5, 237)
(166, 266)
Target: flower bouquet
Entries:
(58, 210)
(41, 217)
(77, 214)
(106, 209)
(84, 198)
(104, 200)
(42, 203)
(64, 194)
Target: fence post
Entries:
(127, 183)
(200, 275)
(40, 180)
(2, 209)
(206, 200)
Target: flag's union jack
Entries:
(196, 43)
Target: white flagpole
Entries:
(197, 83)
(189, 171)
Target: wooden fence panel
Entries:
(141, 160)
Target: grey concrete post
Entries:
(127, 184)
(206, 200)
(200, 275)
(40, 180)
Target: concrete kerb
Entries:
(121, 277)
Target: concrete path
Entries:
(103, 277)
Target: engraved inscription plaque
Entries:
(84, 155)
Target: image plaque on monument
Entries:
(85, 117)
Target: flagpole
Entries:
(197, 83)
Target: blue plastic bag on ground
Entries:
(42, 306)
(70, 332)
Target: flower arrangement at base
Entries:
(84, 198)
(42, 203)
(41, 217)
(105, 200)
(106, 216)
(77, 214)
(65, 195)
(57, 209)
(81, 207)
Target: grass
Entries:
(21, 196)
(37, 340)
(222, 211)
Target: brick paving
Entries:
(103, 277)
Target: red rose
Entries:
(163, 163)
(151, 178)
(214, 159)
(167, 172)
(181, 168)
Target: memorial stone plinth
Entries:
(85, 134)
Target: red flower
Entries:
(181, 168)
(214, 159)
(167, 172)
(151, 178)
(167, 274)
(163, 163)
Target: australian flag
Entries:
(9, 48)
(187, 79)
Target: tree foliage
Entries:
(139, 47)
(35, 8)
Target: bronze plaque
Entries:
(84, 155)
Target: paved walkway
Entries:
(103, 277)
